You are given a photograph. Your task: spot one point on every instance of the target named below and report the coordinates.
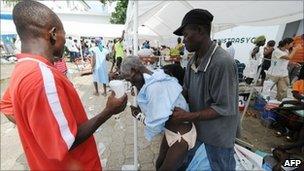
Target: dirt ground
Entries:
(261, 137)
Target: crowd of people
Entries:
(279, 62)
(194, 101)
(282, 66)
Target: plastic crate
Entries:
(259, 104)
(267, 122)
(268, 117)
(269, 114)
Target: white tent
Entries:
(163, 17)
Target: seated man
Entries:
(293, 107)
(298, 94)
(164, 51)
(146, 55)
(298, 86)
(145, 52)
(158, 95)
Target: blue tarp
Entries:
(6, 17)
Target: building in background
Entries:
(80, 18)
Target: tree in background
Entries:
(119, 16)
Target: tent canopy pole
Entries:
(135, 46)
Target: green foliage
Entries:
(119, 16)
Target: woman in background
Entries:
(267, 59)
(256, 57)
(278, 71)
(99, 66)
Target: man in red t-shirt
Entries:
(52, 124)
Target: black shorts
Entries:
(118, 62)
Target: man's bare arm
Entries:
(122, 36)
(87, 129)
(293, 52)
(180, 115)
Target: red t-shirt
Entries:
(61, 66)
(48, 111)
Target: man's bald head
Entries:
(33, 19)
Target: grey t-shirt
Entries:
(216, 88)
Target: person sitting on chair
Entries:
(293, 106)
(298, 86)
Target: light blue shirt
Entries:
(100, 73)
(157, 98)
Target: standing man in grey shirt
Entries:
(211, 89)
